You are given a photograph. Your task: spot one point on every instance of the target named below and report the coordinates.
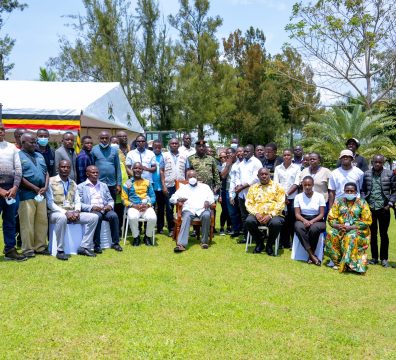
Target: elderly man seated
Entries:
(96, 199)
(139, 197)
(195, 198)
(64, 204)
(265, 202)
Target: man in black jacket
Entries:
(379, 189)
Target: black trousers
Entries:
(112, 218)
(309, 236)
(288, 229)
(381, 219)
(160, 209)
(244, 215)
(274, 226)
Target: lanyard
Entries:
(65, 188)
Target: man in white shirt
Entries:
(246, 176)
(143, 156)
(234, 156)
(63, 202)
(342, 175)
(186, 148)
(174, 169)
(195, 198)
(287, 175)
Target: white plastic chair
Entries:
(249, 239)
(299, 253)
(125, 226)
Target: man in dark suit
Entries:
(96, 198)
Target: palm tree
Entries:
(47, 75)
(328, 135)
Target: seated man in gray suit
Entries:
(96, 199)
(63, 202)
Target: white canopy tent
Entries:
(67, 106)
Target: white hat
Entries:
(346, 153)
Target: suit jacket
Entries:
(62, 154)
(83, 190)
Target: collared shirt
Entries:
(265, 199)
(50, 197)
(187, 152)
(206, 169)
(94, 192)
(234, 173)
(34, 170)
(195, 195)
(146, 158)
(108, 163)
(84, 159)
(287, 177)
(157, 184)
(135, 191)
(247, 174)
(377, 199)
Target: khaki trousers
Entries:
(34, 225)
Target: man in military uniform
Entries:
(205, 166)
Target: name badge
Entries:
(66, 203)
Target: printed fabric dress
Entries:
(348, 249)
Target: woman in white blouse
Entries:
(309, 208)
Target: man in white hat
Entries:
(344, 174)
(358, 160)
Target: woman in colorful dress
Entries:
(349, 237)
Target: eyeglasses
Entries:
(222, 157)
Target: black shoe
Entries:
(136, 241)
(373, 262)
(85, 252)
(30, 254)
(235, 234)
(60, 255)
(258, 249)
(98, 250)
(269, 251)
(44, 252)
(160, 231)
(385, 263)
(13, 255)
(116, 247)
(147, 241)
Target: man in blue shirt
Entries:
(108, 163)
(157, 185)
(33, 205)
(84, 159)
(44, 149)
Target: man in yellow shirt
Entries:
(265, 202)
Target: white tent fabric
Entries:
(97, 105)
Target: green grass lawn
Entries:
(220, 303)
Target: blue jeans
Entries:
(233, 211)
(9, 213)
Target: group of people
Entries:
(292, 194)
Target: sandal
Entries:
(204, 246)
(179, 249)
